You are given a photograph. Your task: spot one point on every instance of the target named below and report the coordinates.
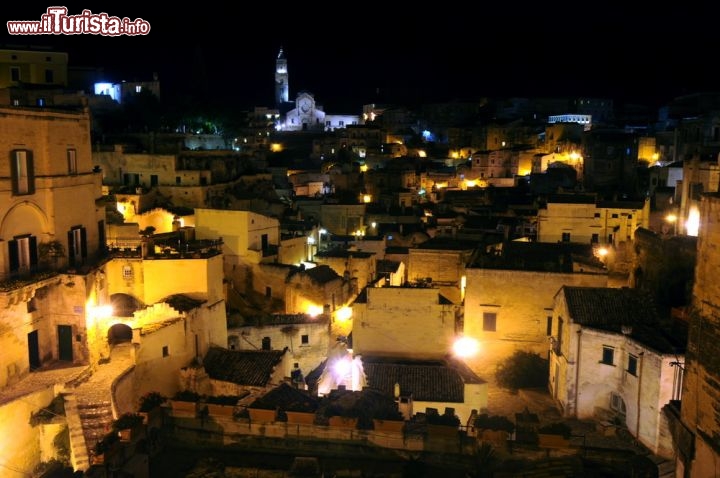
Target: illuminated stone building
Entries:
(66, 304)
(611, 360)
(509, 297)
(698, 453)
(582, 218)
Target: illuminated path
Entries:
(88, 406)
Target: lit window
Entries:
(23, 177)
(23, 253)
(138, 88)
(72, 161)
(608, 355)
(127, 272)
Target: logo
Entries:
(56, 21)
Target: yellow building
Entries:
(583, 219)
(412, 322)
(247, 236)
(28, 67)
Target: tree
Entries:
(522, 370)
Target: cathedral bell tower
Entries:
(282, 89)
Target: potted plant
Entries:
(446, 424)
(554, 435)
(127, 425)
(388, 419)
(184, 403)
(149, 407)
(494, 429)
(104, 448)
(342, 417)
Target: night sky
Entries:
(357, 52)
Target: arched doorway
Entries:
(124, 305)
(119, 333)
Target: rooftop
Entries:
(620, 310)
(242, 367)
(430, 381)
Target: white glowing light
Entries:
(466, 347)
(692, 225)
(341, 368)
(314, 310)
(343, 314)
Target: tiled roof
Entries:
(320, 275)
(183, 303)
(243, 367)
(290, 319)
(286, 397)
(431, 381)
(610, 309)
(537, 256)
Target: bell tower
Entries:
(282, 89)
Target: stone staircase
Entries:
(88, 405)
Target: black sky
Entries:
(345, 53)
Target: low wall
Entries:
(221, 431)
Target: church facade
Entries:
(305, 114)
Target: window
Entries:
(22, 253)
(632, 365)
(595, 239)
(165, 351)
(177, 179)
(14, 73)
(608, 355)
(617, 403)
(629, 216)
(548, 330)
(49, 76)
(266, 343)
(127, 272)
(77, 245)
(23, 176)
(305, 339)
(566, 237)
(489, 321)
(138, 89)
(72, 161)
(614, 216)
(597, 214)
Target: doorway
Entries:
(65, 337)
(33, 350)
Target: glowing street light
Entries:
(466, 347)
